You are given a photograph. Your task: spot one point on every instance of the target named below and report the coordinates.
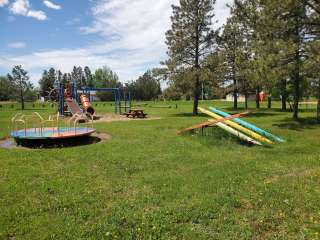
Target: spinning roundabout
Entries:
(34, 130)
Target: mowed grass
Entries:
(148, 183)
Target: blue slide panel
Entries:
(248, 125)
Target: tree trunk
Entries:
(269, 102)
(235, 90)
(196, 96)
(318, 110)
(246, 100)
(21, 97)
(258, 97)
(284, 95)
(296, 91)
(296, 74)
(197, 67)
(318, 105)
(235, 95)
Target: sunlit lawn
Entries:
(148, 183)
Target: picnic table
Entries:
(136, 113)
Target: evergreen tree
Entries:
(146, 87)
(20, 80)
(78, 76)
(6, 89)
(47, 82)
(190, 40)
(235, 48)
(88, 77)
(59, 79)
(105, 78)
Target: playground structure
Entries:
(234, 125)
(34, 128)
(211, 123)
(75, 101)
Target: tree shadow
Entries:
(254, 112)
(217, 137)
(263, 114)
(189, 114)
(299, 125)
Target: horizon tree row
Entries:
(16, 85)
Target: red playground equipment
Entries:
(86, 104)
(71, 104)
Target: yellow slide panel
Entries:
(237, 126)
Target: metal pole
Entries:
(119, 101)
(129, 100)
(125, 101)
(61, 99)
(115, 101)
(202, 91)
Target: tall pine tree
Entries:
(190, 40)
(20, 80)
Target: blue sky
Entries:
(126, 35)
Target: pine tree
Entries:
(190, 40)
(235, 47)
(20, 80)
(47, 82)
(88, 77)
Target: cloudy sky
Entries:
(126, 35)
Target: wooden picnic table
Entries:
(139, 113)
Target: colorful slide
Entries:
(241, 128)
(86, 104)
(248, 125)
(73, 106)
(231, 130)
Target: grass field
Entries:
(148, 183)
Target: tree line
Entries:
(146, 87)
(264, 45)
(17, 85)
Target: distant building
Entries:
(93, 95)
(241, 97)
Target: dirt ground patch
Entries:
(116, 117)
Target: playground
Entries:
(145, 181)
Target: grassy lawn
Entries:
(148, 183)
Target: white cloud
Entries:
(51, 5)
(20, 7)
(39, 15)
(23, 7)
(3, 2)
(17, 45)
(133, 35)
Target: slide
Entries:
(242, 129)
(248, 125)
(73, 106)
(231, 130)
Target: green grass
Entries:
(148, 183)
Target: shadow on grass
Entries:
(188, 115)
(301, 124)
(61, 143)
(34, 109)
(212, 136)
